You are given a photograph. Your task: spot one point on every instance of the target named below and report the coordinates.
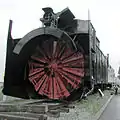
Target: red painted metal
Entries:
(55, 69)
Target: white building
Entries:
(1, 84)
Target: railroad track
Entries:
(32, 109)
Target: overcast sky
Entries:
(104, 14)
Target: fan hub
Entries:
(53, 66)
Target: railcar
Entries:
(56, 61)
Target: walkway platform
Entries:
(112, 111)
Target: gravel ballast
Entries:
(85, 109)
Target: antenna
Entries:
(88, 14)
(89, 21)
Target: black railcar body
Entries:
(78, 35)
